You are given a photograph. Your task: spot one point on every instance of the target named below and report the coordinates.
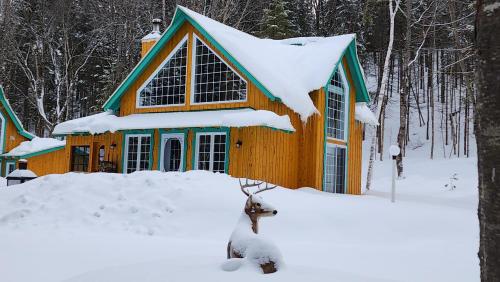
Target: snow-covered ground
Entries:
(152, 226)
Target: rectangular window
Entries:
(80, 158)
(336, 106)
(214, 80)
(138, 148)
(211, 151)
(10, 167)
(335, 170)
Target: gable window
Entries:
(337, 106)
(167, 85)
(214, 80)
(335, 169)
(137, 152)
(211, 151)
(80, 158)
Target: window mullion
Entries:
(212, 142)
(139, 150)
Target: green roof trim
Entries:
(13, 116)
(356, 73)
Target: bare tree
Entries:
(393, 9)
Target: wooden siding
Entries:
(354, 146)
(49, 163)
(95, 142)
(128, 101)
(146, 46)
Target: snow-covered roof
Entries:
(35, 145)
(285, 69)
(289, 68)
(107, 121)
(22, 173)
(363, 114)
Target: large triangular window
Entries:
(167, 85)
(214, 80)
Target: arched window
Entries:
(337, 106)
(214, 80)
(167, 85)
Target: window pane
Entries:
(80, 158)
(336, 108)
(219, 153)
(168, 86)
(172, 155)
(214, 80)
(133, 148)
(204, 152)
(144, 153)
(335, 169)
(212, 144)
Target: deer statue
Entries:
(245, 241)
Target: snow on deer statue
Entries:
(245, 242)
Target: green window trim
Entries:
(184, 131)
(149, 132)
(194, 150)
(7, 163)
(325, 138)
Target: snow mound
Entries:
(146, 203)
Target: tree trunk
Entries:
(404, 92)
(488, 136)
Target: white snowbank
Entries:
(103, 122)
(153, 226)
(363, 114)
(37, 144)
(289, 69)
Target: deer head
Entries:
(256, 207)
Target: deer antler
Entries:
(265, 188)
(247, 185)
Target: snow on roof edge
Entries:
(35, 145)
(363, 114)
(107, 122)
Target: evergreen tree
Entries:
(301, 17)
(276, 23)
